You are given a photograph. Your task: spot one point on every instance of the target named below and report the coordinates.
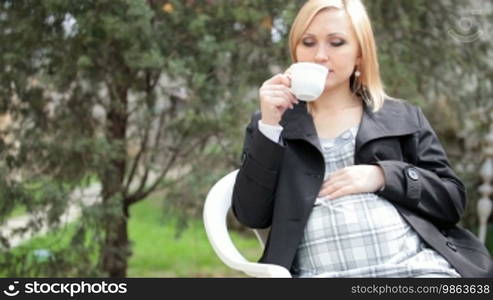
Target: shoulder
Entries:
(407, 110)
(396, 116)
(410, 112)
(399, 105)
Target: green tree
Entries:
(129, 92)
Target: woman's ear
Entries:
(359, 57)
(358, 60)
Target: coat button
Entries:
(412, 173)
(452, 246)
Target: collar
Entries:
(395, 118)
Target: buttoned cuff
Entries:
(402, 183)
(272, 132)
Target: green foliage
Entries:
(166, 82)
(157, 251)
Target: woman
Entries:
(354, 184)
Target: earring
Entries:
(359, 89)
(356, 86)
(365, 95)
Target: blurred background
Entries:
(117, 116)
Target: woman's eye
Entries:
(333, 43)
(337, 43)
(308, 43)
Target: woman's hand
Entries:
(276, 98)
(353, 180)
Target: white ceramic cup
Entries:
(307, 80)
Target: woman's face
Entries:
(330, 40)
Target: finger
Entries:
(280, 102)
(285, 80)
(290, 96)
(279, 79)
(337, 176)
(279, 92)
(288, 70)
(333, 179)
(343, 191)
(276, 79)
(332, 187)
(339, 173)
(288, 75)
(277, 87)
(288, 91)
(284, 92)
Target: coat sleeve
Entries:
(429, 188)
(254, 189)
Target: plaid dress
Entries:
(361, 235)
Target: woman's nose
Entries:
(322, 54)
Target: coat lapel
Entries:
(395, 118)
(298, 124)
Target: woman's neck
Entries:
(336, 100)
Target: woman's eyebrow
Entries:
(336, 33)
(330, 34)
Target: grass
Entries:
(156, 251)
(18, 211)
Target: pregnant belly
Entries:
(353, 231)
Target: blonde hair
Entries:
(371, 85)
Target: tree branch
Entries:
(139, 194)
(144, 194)
(143, 149)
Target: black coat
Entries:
(278, 183)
